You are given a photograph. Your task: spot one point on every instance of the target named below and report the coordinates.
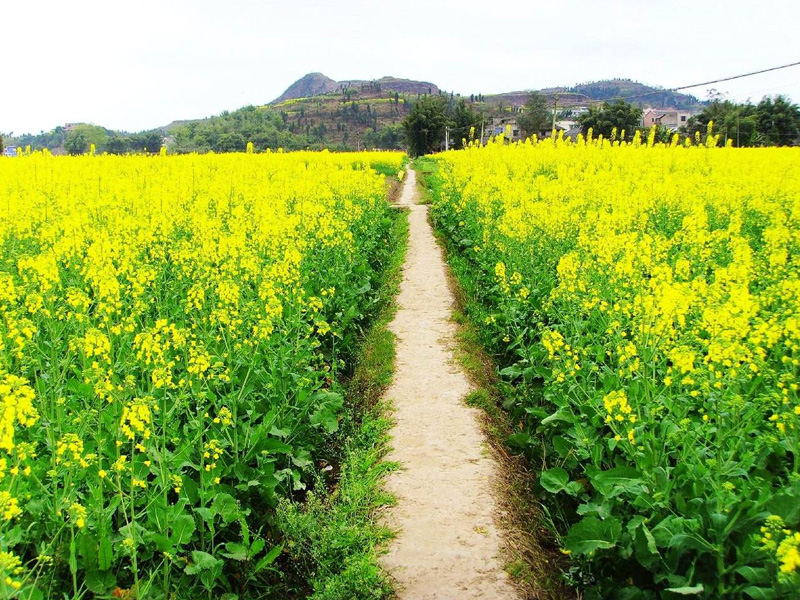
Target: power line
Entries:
(685, 87)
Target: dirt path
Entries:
(448, 544)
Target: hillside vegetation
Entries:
(318, 112)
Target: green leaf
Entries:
(256, 547)
(562, 414)
(87, 549)
(638, 524)
(235, 551)
(268, 559)
(201, 561)
(759, 593)
(99, 582)
(73, 559)
(519, 440)
(105, 554)
(554, 480)
(226, 507)
(592, 508)
(207, 514)
(511, 372)
(80, 388)
(754, 575)
(591, 534)
(277, 446)
(615, 481)
(693, 590)
(326, 418)
(182, 529)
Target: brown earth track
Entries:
(448, 544)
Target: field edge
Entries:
(338, 531)
(531, 556)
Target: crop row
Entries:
(643, 302)
(173, 336)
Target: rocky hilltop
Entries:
(317, 84)
(313, 84)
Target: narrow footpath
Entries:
(448, 545)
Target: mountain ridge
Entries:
(318, 84)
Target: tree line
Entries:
(775, 121)
(79, 138)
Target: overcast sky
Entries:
(139, 65)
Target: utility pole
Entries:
(483, 122)
(446, 139)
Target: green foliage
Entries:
(81, 137)
(772, 122)
(334, 538)
(391, 137)
(537, 115)
(230, 132)
(462, 121)
(778, 121)
(679, 514)
(425, 126)
(201, 531)
(604, 119)
(52, 140)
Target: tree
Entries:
(778, 121)
(536, 116)
(462, 120)
(603, 119)
(773, 122)
(151, 142)
(117, 145)
(425, 125)
(76, 142)
(736, 122)
(390, 137)
(81, 137)
(1, 144)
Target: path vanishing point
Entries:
(447, 544)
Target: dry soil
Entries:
(448, 545)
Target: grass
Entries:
(428, 183)
(531, 556)
(335, 537)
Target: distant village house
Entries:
(671, 119)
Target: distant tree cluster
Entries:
(391, 137)
(431, 116)
(771, 122)
(52, 140)
(425, 126)
(79, 138)
(230, 132)
(537, 115)
(603, 119)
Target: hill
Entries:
(318, 112)
(608, 89)
(317, 84)
(312, 84)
